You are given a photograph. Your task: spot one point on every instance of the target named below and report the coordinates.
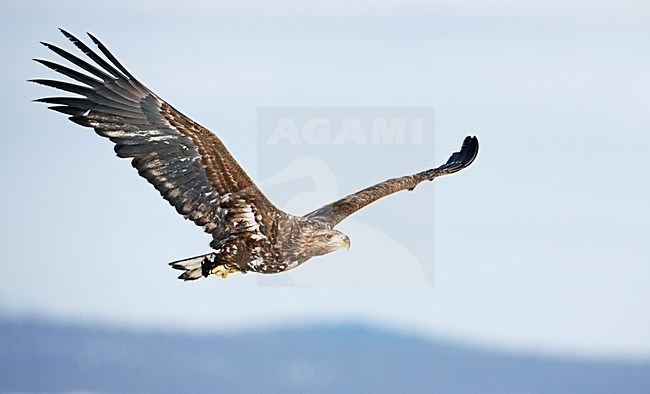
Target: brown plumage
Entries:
(195, 173)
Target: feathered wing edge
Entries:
(335, 212)
(185, 162)
(457, 161)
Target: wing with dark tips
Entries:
(335, 212)
(184, 161)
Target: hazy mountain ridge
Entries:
(43, 356)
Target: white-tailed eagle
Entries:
(194, 172)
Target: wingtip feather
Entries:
(93, 38)
(65, 33)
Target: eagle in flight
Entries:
(194, 172)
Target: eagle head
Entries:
(326, 241)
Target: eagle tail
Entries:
(193, 267)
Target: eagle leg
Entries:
(222, 271)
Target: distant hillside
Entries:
(40, 356)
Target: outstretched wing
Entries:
(335, 212)
(184, 161)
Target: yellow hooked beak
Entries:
(339, 241)
(345, 243)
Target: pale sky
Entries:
(541, 245)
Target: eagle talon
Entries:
(222, 271)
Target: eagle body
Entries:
(192, 169)
(290, 242)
